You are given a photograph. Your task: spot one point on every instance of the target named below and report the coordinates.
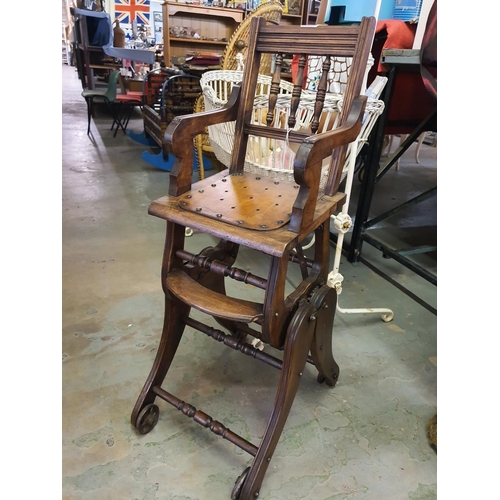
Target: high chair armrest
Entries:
(311, 153)
(318, 147)
(182, 129)
(179, 137)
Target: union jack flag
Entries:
(128, 11)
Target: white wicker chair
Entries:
(275, 158)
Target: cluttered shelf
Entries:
(199, 40)
(204, 10)
(96, 50)
(188, 25)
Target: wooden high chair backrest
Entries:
(352, 42)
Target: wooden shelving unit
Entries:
(308, 12)
(215, 25)
(295, 19)
(91, 60)
(314, 11)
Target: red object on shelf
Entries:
(412, 99)
(410, 102)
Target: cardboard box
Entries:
(133, 85)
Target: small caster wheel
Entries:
(320, 378)
(147, 419)
(238, 484)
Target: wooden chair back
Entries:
(230, 61)
(299, 197)
(328, 42)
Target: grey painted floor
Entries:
(365, 439)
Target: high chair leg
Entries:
(325, 299)
(297, 345)
(145, 413)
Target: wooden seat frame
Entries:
(265, 215)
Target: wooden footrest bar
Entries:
(234, 343)
(206, 421)
(210, 302)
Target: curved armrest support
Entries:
(179, 136)
(307, 165)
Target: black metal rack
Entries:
(374, 171)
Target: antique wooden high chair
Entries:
(265, 215)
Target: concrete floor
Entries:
(365, 439)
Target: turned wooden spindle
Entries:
(297, 91)
(206, 421)
(223, 269)
(320, 96)
(275, 88)
(234, 343)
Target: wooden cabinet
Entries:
(313, 12)
(213, 25)
(299, 12)
(189, 28)
(295, 19)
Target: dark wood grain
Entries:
(278, 242)
(213, 303)
(261, 214)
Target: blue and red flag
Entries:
(128, 11)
